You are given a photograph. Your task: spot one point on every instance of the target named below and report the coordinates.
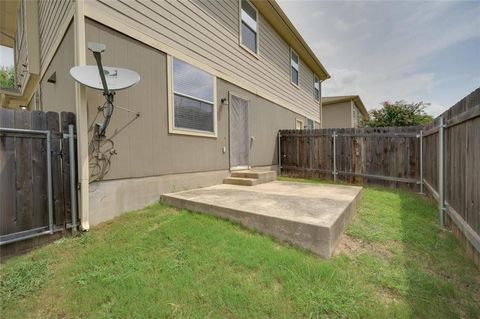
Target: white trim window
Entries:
(193, 108)
(294, 67)
(299, 124)
(248, 26)
(316, 88)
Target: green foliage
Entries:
(161, 262)
(7, 77)
(399, 113)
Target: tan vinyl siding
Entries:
(60, 96)
(52, 14)
(209, 33)
(337, 115)
(21, 51)
(222, 11)
(144, 146)
(265, 119)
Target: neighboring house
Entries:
(197, 60)
(343, 111)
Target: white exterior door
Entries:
(239, 133)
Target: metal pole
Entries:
(441, 170)
(21, 130)
(421, 161)
(49, 182)
(279, 169)
(73, 182)
(334, 135)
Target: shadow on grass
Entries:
(162, 262)
(416, 267)
(435, 266)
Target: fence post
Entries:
(421, 161)
(73, 182)
(49, 182)
(279, 169)
(334, 135)
(441, 171)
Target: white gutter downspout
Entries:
(81, 118)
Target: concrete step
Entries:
(241, 181)
(262, 176)
(312, 216)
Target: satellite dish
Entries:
(108, 79)
(117, 78)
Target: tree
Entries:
(399, 113)
(7, 77)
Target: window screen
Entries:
(294, 67)
(249, 26)
(193, 97)
(316, 88)
(310, 124)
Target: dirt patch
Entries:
(388, 297)
(351, 246)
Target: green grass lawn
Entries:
(162, 262)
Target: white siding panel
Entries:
(20, 49)
(209, 32)
(52, 14)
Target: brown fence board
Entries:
(8, 201)
(57, 178)
(23, 175)
(39, 171)
(462, 165)
(472, 180)
(364, 151)
(24, 179)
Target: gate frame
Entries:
(50, 229)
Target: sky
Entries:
(389, 50)
(394, 50)
(6, 56)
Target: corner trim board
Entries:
(81, 118)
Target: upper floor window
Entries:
(249, 26)
(316, 88)
(294, 69)
(193, 99)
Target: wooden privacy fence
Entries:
(443, 156)
(384, 156)
(37, 177)
(452, 169)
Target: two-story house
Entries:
(218, 80)
(346, 111)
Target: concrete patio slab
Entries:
(312, 216)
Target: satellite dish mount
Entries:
(97, 50)
(107, 79)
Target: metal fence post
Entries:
(279, 169)
(334, 135)
(73, 182)
(441, 171)
(421, 161)
(49, 182)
